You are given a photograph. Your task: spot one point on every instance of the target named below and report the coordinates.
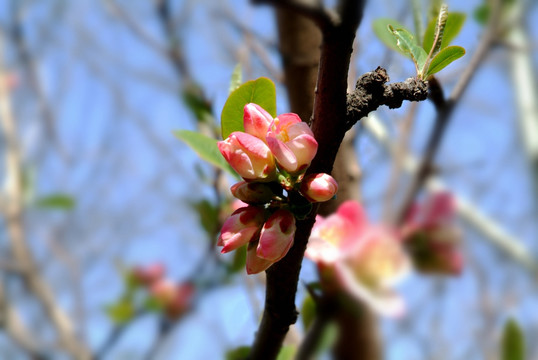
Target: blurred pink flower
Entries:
(292, 143)
(319, 187)
(432, 237)
(174, 298)
(249, 156)
(147, 275)
(256, 120)
(366, 261)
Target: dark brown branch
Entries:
(312, 9)
(328, 125)
(372, 91)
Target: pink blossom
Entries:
(292, 143)
(147, 275)
(256, 120)
(256, 264)
(319, 187)
(249, 156)
(241, 227)
(364, 260)
(277, 235)
(174, 298)
(432, 238)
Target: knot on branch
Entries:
(372, 91)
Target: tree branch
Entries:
(371, 91)
(312, 9)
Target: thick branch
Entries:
(312, 9)
(372, 91)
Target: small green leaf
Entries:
(513, 341)
(240, 353)
(308, 312)
(381, 29)
(453, 26)
(444, 58)
(481, 13)
(407, 43)
(237, 78)
(194, 98)
(120, 312)
(239, 260)
(287, 353)
(208, 215)
(56, 201)
(260, 91)
(205, 147)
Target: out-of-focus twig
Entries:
(13, 193)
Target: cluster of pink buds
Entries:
(271, 156)
(173, 298)
(432, 238)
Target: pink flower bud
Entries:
(181, 301)
(249, 156)
(254, 193)
(292, 143)
(240, 228)
(256, 120)
(147, 275)
(319, 187)
(277, 235)
(432, 238)
(256, 264)
(175, 299)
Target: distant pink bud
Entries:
(174, 299)
(254, 193)
(319, 187)
(163, 291)
(277, 235)
(256, 264)
(181, 301)
(240, 228)
(249, 156)
(147, 275)
(292, 143)
(256, 120)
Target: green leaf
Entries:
(417, 20)
(120, 312)
(453, 26)
(444, 58)
(308, 312)
(194, 98)
(287, 353)
(239, 260)
(57, 201)
(240, 353)
(513, 341)
(481, 13)
(208, 215)
(205, 147)
(381, 29)
(260, 91)
(407, 43)
(237, 78)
